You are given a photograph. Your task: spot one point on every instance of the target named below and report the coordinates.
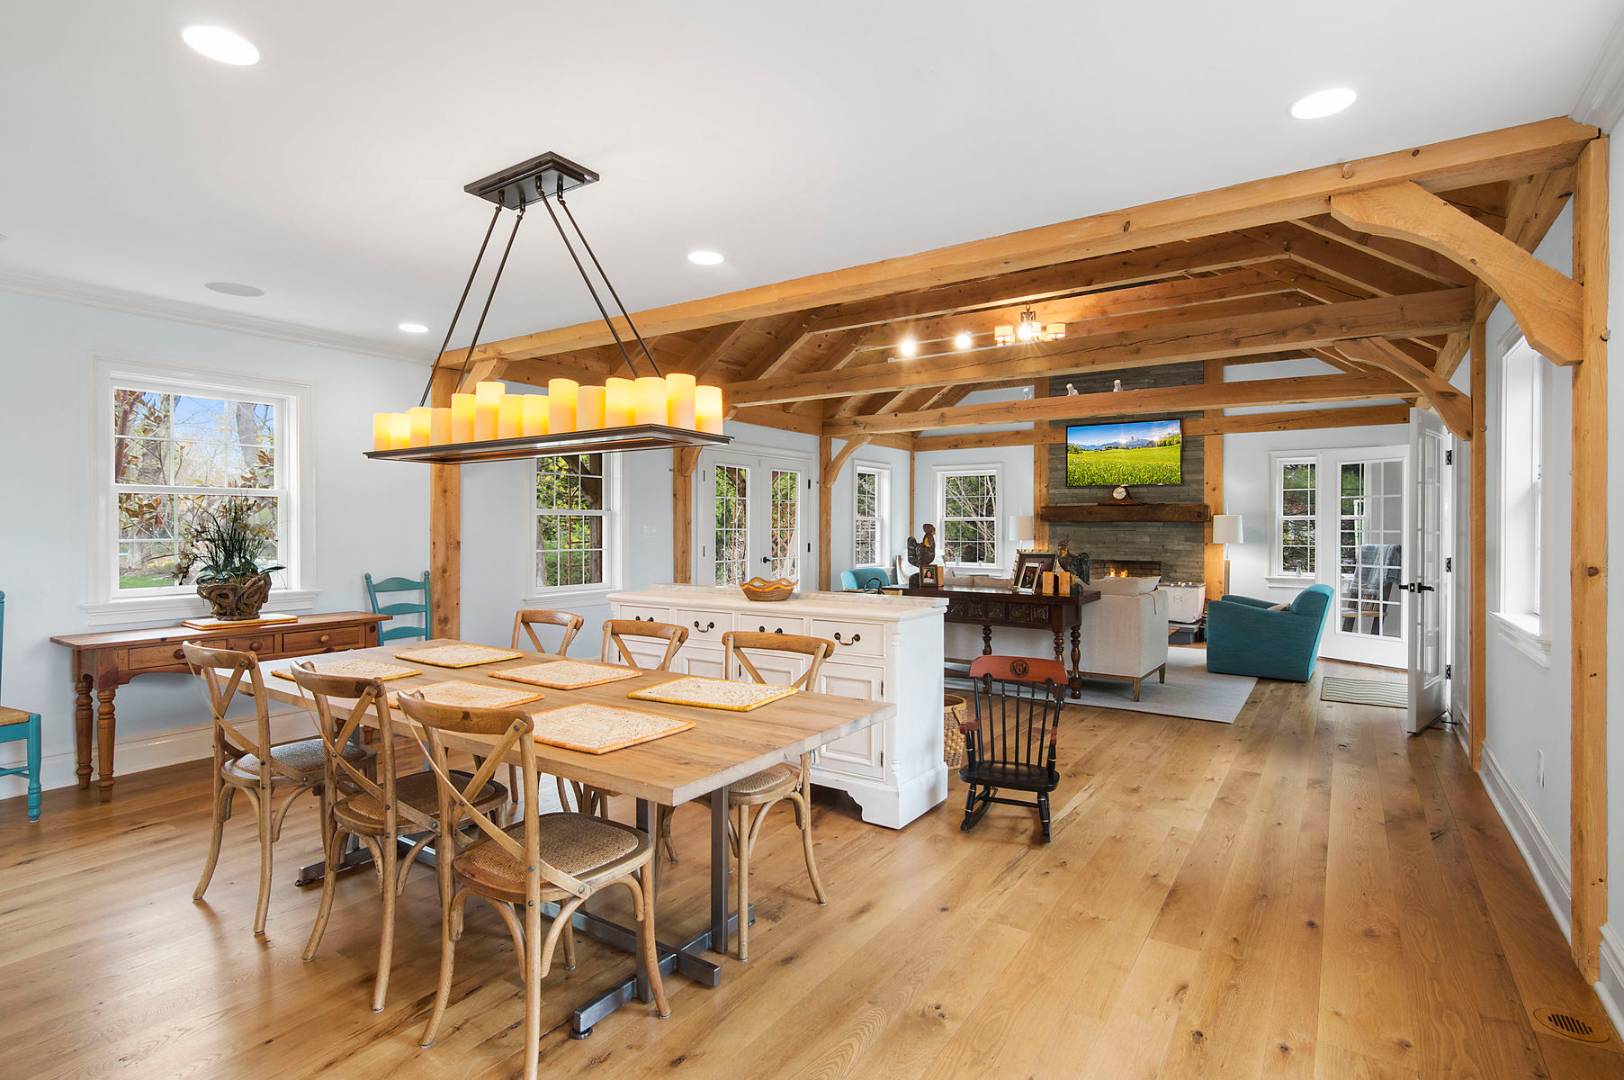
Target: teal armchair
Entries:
(1246, 636)
(865, 578)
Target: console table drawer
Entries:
(156, 657)
(703, 624)
(300, 642)
(768, 625)
(852, 638)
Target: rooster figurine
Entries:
(922, 552)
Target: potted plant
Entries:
(225, 547)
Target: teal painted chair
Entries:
(865, 579)
(19, 726)
(1246, 636)
(375, 589)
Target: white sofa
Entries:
(1124, 638)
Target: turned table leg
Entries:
(1076, 660)
(104, 741)
(986, 639)
(81, 727)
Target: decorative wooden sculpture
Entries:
(922, 553)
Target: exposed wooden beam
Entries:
(1456, 163)
(1306, 390)
(779, 348)
(1340, 261)
(1446, 401)
(445, 529)
(1588, 565)
(1040, 470)
(702, 361)
(1423, 313)
(1478, 554)
(1194, 427)
(1411, 257)
(1544, 300)
(683, 460)
(1212, 489)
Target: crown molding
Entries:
(135, 303)
(1601, 102)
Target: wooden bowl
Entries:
(762, 589)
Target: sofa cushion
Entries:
(1125, 586)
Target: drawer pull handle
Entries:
(324, 639)
(639, 618)
(253, 646)
(707, 628)
(854, 639)
(763, 629)
(180, 654)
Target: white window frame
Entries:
(1521, 493)
(882, 512)
(614, 539)
(939, 475)
(1278, 460)
(105, 603)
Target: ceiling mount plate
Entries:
(541, 177)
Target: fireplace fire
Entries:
(1125, 568)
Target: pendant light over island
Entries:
(645, 412)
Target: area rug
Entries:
(1191, 691)
(1394, 695)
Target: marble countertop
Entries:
(838, 605)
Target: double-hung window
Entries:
(967, 505)
(574, 527)
(871, 500)
(1522, 405)
(1295, 534)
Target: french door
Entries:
(751, 517)
(1362, 552)
(1426, 584)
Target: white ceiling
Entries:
(793, 138)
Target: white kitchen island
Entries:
(887, 648)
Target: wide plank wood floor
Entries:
(1304, 893)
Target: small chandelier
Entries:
(1028, 330)
(651, 411)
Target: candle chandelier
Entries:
(649, 411)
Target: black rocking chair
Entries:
(1011, 742)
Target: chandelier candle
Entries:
(487, 407)
(535, 414)
(679, 389)
(648, 406)
(510, 416)
(439, 426)
(589, 407)
(617, 402)
(418, 425)
(708, 409)
(462, 418)
(561, 399)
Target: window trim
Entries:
(614, 540)
(882, 509)
(939, 475)
(103, 605)
(1278, 460)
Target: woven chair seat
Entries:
(768, 783)
(9, 716)
(302, 757)
(416, 790)
(584, 847)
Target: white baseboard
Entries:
(1610, 987)
(144, 752)
(1548, 865)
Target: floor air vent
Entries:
(1570, 1026)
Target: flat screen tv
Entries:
(1141, 453)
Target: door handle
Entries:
(766, 559)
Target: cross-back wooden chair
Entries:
(615, 650)
(1010, 743)
(379, 810)
(395, 610)
(527, 619)
(250, 764)
(591, 800)
(760, 792)
(564, 857)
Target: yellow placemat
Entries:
(457, 656)
(598, 729)
(714, 693)
(474, 695)
(566, 674)
(357, 669)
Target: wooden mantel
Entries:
(1091, 512)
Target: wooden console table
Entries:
(988, 606)
(104, 662)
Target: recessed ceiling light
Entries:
(1322, 103)
(234, 288)
(962, 340)
(908, 346)
(705, 258)
(413, 328)
(218, 43)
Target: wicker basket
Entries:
(953, 708)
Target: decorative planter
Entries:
(238, 600)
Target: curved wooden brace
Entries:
(1454, 406)
(838, 462)
(1545, 301)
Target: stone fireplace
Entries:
(1107, 567)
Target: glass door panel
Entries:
(1370, 548)
(731, 524)
(784, 526)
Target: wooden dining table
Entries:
(721, 748)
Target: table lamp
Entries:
(1021, 531)
(1226, 530)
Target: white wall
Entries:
(364, 515)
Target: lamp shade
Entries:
(1226, 529)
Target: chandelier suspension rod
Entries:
(603, 311)
(468, 358)
(611, 285)
(461, 300)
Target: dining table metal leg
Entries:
(718, 871)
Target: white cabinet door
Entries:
(700, 661)
(863, 753)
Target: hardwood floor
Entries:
(1304, 893)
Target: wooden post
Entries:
(1477, 556)
(826, 486)
(1040, 475)
(445, 530)
(1212, 489)
(683, 460)
(1589, 564)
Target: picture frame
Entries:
(1028, 565)
(930, 577)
